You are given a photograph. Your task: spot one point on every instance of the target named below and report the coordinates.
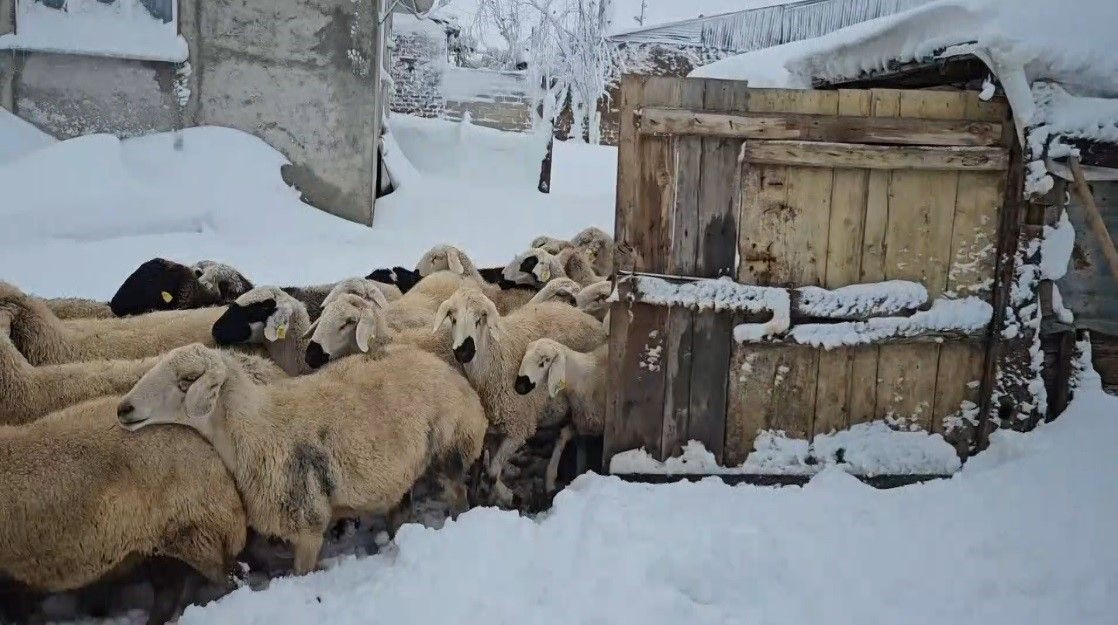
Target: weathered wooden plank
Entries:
(844, 255)
(752, 372)
(864, 374)
(971, 272)
(628, 170)
(918, 247)
(685, 236)
(716, 256)
(867, 156)
(635, 411)
(651, 215)
(936, 337)
(844, 128)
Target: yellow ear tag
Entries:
(167, 297)
(562, 385)
(281, 332)
(545, 273)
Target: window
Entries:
(131, 29)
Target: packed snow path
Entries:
(1023, 534)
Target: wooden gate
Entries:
(786, 188)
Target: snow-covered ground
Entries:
(1023, 534)
(80, 215)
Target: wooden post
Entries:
(1094, 217)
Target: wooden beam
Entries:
(833, 128)
(864, 156)
(1094, 217)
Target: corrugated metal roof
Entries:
(753, 29)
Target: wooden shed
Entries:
(871, 249)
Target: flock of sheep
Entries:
(302, 406)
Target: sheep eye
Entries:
(348, 322)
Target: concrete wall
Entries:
(301, 74)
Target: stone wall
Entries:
(300, 74)
(426, 84)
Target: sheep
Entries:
(594, 299)
(364, 288)
(82, 499)
(299, 462)
(270, 317)
(490, 348)
(559, 289)
(400, 277)
(161, 284)
(43, 339)
(78, 308)
(352, 325)
(27, 393)
(579, 377)
(598, 247)
(538, 266)
(550, 244)
(449, 258)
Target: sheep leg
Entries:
(508, 446)
(174, 584)
(399, 515)
(552, 474)
(307, 547)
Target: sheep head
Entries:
(264, 314)
(559, 289)
(347, 325)
(543, 358)
(598, 248)
(536, 267)
(446, 258)
(364, 288)
(27, 322)
(222, 281)
(473, 318)
(403, 278)
(184, 388)
(594, 298)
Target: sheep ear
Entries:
(455, 262)
(366, 330)
(440, 316)
(276, 327)
(557, 376)
(201, 397)
(310, 331)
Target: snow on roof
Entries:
(659, 13)
(1023, 42)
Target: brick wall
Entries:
(419, 58)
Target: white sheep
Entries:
(558, 290)
(598, 247)
(365, 289)
(577, 376)
(352, 438)
(27, 393)
(490, 348)
(454, 260)
(537, 267)
(594, 299)
(45, 339)
(352, 325)
(267, 316)
(80, 499)
(550, 244)
(78, 308)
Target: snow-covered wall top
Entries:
(764, 27)
(132, 29)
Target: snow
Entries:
(722, 294)
(861, 300)
(1021, 534)
(866, 449)
(80, 215)
(18, 137)
(1027, 44)
(1056, 248)
(966, 315)
(123, 29)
